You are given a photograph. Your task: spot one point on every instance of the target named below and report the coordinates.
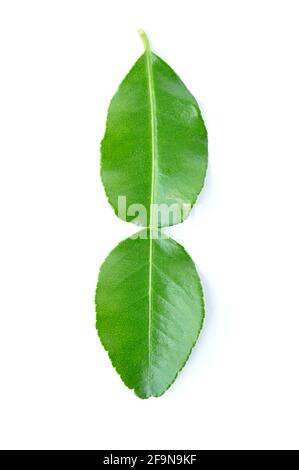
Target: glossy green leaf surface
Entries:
(150, 310)
(155, 146)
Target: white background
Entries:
(61, 62)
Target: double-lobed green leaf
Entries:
(149, 299)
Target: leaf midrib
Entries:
(153, 123)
